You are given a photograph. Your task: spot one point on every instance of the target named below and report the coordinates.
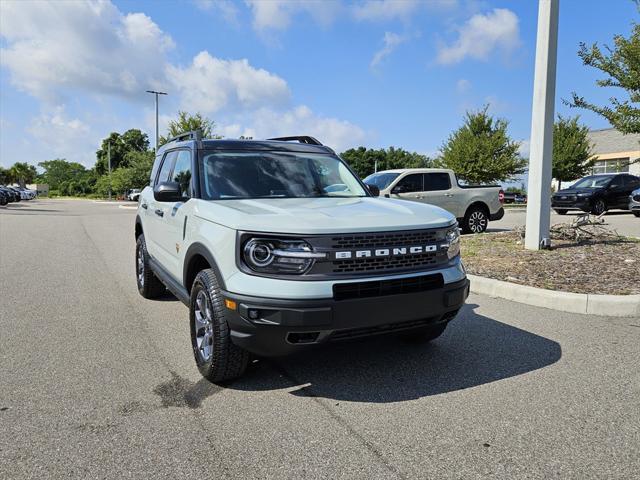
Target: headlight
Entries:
(584, 194)
(453, 242)
(268, 255)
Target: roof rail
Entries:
(192, 135)
(302, 139)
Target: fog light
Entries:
(253, 314)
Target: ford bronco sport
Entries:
(276, 246)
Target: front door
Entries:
(409, 187)
(437, 191)
(157, 214)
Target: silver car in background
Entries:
(634, 202)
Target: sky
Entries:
(375, 73)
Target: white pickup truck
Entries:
(474, 206)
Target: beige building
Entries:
(615, 152)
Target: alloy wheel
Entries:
(477, 222)
(203, 326)
(140, 266)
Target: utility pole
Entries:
(544, 92)
(156, 94)
(109, 166)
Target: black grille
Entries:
(384, 239)
(408, 262)
(349, 291)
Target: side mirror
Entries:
(374, 190)
(167, 192)
(399, 189)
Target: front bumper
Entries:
(579, 203)
(634, 205)
(275, 327)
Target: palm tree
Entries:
(22, 173)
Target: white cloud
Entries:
(226, 8)
(56, 47)
(385, 10)
(481, 35)
(210, 85)
(300, 120)
(463, 85)
(63, 137)
(391, 42)
(277, 14)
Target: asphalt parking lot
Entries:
(625, 223)
(96, 382)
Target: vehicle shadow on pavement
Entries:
(474, 350)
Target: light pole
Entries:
(156, 94)
(544, 92)
(109, 166)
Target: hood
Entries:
(575, 191)
(323, 215)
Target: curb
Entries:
(590, 304)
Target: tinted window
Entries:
(381, 180)
(165, 170)
(410, 183)
(182, 172)
(633, 181)
(436, 181)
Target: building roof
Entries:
(610, 140)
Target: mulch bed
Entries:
(600, 266)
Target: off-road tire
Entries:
(560, 211)
(149, 285)
(476, 220)
(424, 334)
(226, 361)
(599, 207)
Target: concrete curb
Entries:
(604, 305)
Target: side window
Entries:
(154, 169)
(182, 172)
(436, 181)
(634, 182)
(165, 169)
(410, 183)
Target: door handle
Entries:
(160, 213)
(448, 194)
(143, 205)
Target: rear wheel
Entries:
(148, 284)
(560, 211)
(217, 357)
(599, 207)
(475, 220)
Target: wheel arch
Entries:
(198, 258)
(138, 230)
(480, 204)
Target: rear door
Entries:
(437, 191)
(155, 228)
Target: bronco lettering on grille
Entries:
(386, 252)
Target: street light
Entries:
(544, 92)
(156, 94)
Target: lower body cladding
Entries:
(270, 327)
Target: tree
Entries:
(124, 178)
(59, 170)
(188, 123)
(4, 175)
(132, 140)
(364, 160)
(621, 64)
(481, 151)
(572, 151)
(22, 173)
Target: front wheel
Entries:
(217, 357)
(476, 220)
(560, 211)
(637, 214)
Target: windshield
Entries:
(234, 175)
(381, 180)
(593, 181)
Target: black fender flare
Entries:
(199, 249)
